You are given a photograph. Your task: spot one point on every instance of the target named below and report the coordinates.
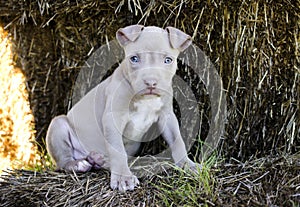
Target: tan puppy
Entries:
(107, 124)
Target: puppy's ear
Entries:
(129, 34)
(178, 39)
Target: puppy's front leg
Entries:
(169, 126)
(121, 176)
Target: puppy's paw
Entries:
(78, 166)
(96, 160)
(123, 183)
(189, 165)
(195, 167)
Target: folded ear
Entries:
(129, 34)
(178, 39)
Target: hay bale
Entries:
(17, 148)
(255, 47)
(254, 44)
(269, 181)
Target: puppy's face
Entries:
(151, 63)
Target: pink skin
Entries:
(151, 91)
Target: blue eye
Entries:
(134, 59)
(168, 60)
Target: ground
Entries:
(269, 181)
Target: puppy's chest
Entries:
(145, 113)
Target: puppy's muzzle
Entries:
(151, 87)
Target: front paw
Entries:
(195, 167)
(123, 183)
(189, 165)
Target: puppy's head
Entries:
(151, 57)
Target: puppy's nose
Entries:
(150, 83)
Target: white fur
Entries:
(106, 125)
(147, 111)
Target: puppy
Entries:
(107, 124)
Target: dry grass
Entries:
(270, 181)
(255, 47)
(17, 148)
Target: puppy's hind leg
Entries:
(60, 141)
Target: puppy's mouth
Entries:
(150, 92)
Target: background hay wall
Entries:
(17, 148)
(254, 45)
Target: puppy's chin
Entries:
(148, 104)
(146, 96)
